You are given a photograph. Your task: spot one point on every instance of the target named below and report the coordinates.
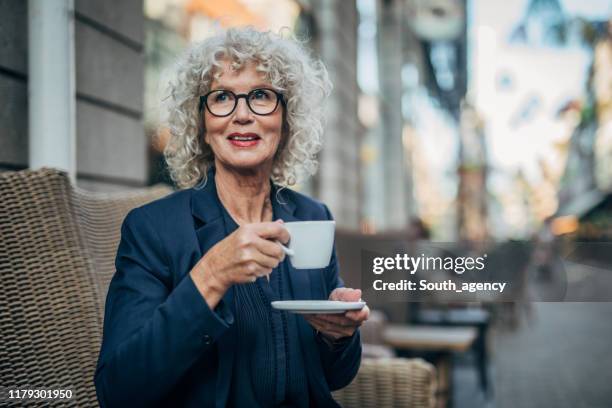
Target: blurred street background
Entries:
(476, 122)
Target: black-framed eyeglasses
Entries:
(221, 102)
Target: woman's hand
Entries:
(335, 326)
(243, 256)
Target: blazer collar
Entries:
(205, 204)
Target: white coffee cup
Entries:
(311, 243)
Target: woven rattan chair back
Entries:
(100, 217)
(50, 326)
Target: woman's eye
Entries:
(260, 94)
(221, 97)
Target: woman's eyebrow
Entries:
(233, 89)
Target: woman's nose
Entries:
(243, 112)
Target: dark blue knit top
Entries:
(268, 367)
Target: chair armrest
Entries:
(390, 382)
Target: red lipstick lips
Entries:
(243, 139)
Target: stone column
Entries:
(338, 179)
(390, 62)
(51, 85)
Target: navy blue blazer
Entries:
(162, 344)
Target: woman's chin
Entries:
(249, 165)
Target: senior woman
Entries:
(188, 318)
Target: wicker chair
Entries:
(390, 383)
(57, 247)
(50, 325)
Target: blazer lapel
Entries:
(206, 209)
(210, 228)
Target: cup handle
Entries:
(286, 250)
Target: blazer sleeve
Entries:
(340, 361)
(152, 333)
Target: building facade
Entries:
(111, 148)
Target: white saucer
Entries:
(317, 306)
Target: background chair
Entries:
(390, 383)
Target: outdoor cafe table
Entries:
(440, 341)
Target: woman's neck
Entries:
(245, 195)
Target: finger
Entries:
(262, 259)
(315, 320)
(310, 320)
(346, 294)
(329, 329)
(358, 315)
(315, 323)
(272, 230)
(337, 332)
(254, 270)
(339, 320)
(266, 261)
(269, 248)
(246, 278)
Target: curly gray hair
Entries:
(288, 67)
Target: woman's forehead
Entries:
(229, 76)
